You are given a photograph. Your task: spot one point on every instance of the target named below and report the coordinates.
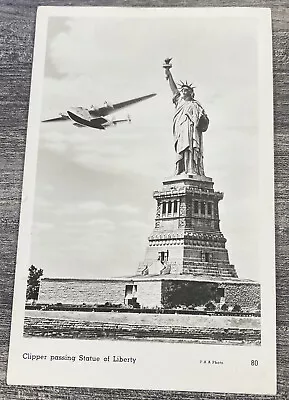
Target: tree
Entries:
(189, 293)
(33, 283)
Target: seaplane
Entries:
(97, 118)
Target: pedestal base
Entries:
(186, 238)
(199, 181)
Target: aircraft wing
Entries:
(118, 106)
(80, 111)
(61, 117)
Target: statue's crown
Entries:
(182, 85)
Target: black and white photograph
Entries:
(146, 238)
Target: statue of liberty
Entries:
(189, 123)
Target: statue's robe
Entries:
(187, 135)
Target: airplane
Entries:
(81, 119)
(97, 117)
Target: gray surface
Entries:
(17, 21)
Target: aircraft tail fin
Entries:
(116, 121)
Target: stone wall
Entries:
(246, 295)
(85, 329)
(149, 293)
(78, 291)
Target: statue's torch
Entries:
(167, 66)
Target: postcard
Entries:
(146, 240)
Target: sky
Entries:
(93, 206)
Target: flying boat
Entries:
(97, 118)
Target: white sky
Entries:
(94, 208)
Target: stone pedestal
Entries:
(186, 238)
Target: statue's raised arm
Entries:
(167, 66)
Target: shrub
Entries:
(225, 307)
(210, 306)
(237, 308)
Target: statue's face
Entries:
(187, 93)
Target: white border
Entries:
(159, 365)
